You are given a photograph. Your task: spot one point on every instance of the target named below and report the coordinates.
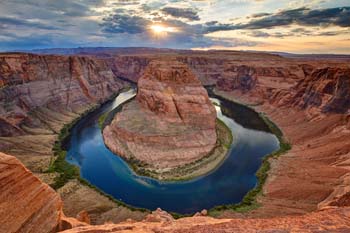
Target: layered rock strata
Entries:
(307, 98)
(171, 123)
(336, 220)
(38, 96)
(26, 204)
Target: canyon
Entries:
(169, 125)
(307, 188)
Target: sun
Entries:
(162, 29)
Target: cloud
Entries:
(6, 22)
(259, 34)
(339, 16)
(11, 41)
(295, 32)
(186, 13)
(134, 27)
(258, 15)
(66, 23)
(61, 8)
(301, 16)
(126, 2)
(124, 23)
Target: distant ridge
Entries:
(112, 51)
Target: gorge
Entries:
(307, 98)
(169, 131)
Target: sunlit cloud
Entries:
(293, 26)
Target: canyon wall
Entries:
(284, 82)
(27, 205)
(32, 85)
(39, 83)
(170, 124)
(38, 96)
(308, 99)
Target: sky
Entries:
(305, 26)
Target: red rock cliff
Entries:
(26, 204)
(32, 85)
(171, 122)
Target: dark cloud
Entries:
(6, 22)
(124, 23)
(303, 16)
(34, 41)
(259, 34)
(186, 13)
(126, 2)
(295, 32)
(339, 16)
(134, 27)
(57, 8)
(215, 26)
(258, 15)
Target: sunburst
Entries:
(160, 29)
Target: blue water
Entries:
(226, 185)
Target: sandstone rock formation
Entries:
(38, 96)
(171, 122)
(26, 204)
(336, 220)
(33, 85)
(307, 98)
(327, 89)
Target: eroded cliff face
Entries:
(321, 85)
(27, 204)
(33, 85)
(324, 221)
(309, 100)
(327, 89)
(171, 90)
(171, 123)
(38, 96)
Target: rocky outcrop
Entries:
(27, 204)
(170, 90)
(32, 85)
(336, 220)
(327, 89)
(243, 78)
(171, 122)
(40, 93)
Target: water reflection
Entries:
(227, 184)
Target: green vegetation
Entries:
(249, 201)
(227, 138)
(194, 169)
(120, 203)
(59, 165)
(101, 119)
(68, 171)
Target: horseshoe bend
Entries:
(171, 124)
(158, 121)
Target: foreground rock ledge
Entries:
(171, 123)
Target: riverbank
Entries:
(226, 207)
(77, 193)
(249, 201)
(65, 171)
(195, 169)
